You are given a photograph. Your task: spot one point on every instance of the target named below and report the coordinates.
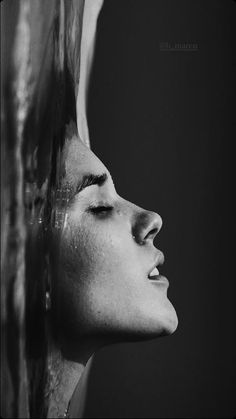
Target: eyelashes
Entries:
(101, 210)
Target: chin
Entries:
(160, 324)
(169, 322)
(148, 327)
(170, 325)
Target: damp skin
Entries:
(102, 253)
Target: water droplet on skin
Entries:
(65, 221)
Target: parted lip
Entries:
(159, 260)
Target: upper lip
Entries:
(159, 260)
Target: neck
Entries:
(66, 365)
(63, 378)
(66, 372)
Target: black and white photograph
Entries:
(118, 284)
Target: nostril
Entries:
(146, 226)
(152, 234)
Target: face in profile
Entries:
(106, 280)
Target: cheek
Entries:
(95, 250)
(95, 271)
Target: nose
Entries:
(147, 225)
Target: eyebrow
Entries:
(91, 179)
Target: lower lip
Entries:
(159, 280)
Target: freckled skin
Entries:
(101, 284)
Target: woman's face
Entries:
(104, 258)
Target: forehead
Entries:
(77, 160)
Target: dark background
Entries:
(164, 124)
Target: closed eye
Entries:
(101, 209)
